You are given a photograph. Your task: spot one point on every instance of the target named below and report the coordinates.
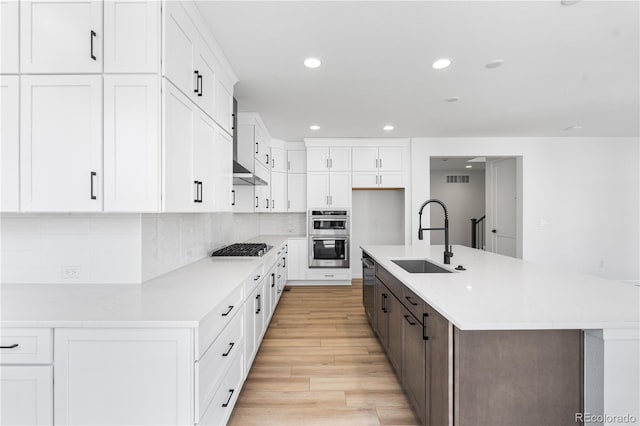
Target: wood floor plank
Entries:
(259, 398)
(396, 416)
(280, 384)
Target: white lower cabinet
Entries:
(26, 395)
(222, 403)
(297, 259)
(123, 376)
(255, 321)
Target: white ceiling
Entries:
(563, 65)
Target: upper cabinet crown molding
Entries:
(356, 142)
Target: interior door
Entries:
(502, 209)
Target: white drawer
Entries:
(218, 412)
(256, 277)
(25, 346)
(218, 319)
(217, 360)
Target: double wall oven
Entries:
(328, 239)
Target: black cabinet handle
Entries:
(196, 80)
(233, 193)
(411, 301)
(494, 231)
(259, 304)
(228, 350)
(273, 204)
(233, 121)
(273, 163)
(15, 345)
(384, 304)
(93, 34)
(226, 404)
(199, 85)
(257, 277)
(196, 198)
(408, 318)
(273, 279)
(256, 202)
(201, 191)
(257, 147)
(267, 163)
(284, 262)
(93, 195)
(228, 311)
(424, 326)
(267, 203)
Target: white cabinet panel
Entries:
(297, 260)
(131, 36)
(224, 105)
(317, 159)
(255, 322)
(340, 190)
(223, 171)
(278, 160)
(263, 151)
(391, 180)
(204, 156)
(221, 407)
(61, 36)
(61, 125)
(26, 345)
(365, 179)
(340, 159)
(297, 161)
(26, 395)
(297, 192)
(243, 199)
(392, 159)
(146, 373)
(263, 198)
(179, 115)
(278, 192)
(9, 40)
(365, 159)
(180, 41)
(131, 143)
(318, 190)
(206, 85)
(10, 143)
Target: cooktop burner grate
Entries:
(243, 249)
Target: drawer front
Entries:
(391, 282)
(413, 303)
(218, 358)
(218, 319)
(26, 346)
(218, 412)
(26, 394)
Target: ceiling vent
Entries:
(457, 179)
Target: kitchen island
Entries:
(536, 344)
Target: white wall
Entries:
(294, 224)
(581, 197)
(463, 200)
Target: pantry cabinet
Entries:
(61, 37)
(61, 124)
(9, 37)
(131, 36)
(10, 143)
(131, 143)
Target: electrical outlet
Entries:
(70, 272)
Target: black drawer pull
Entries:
(228, 350)
(15, 345)
(200, 85)
(228, 311)
(93, 195)
(196, 79)
(226, 404)
(424, 326)
(411, 301)
(408, 318)
(93, 34)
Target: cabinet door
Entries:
(263, 151)
(224, 171)
(179, 41)
(340, 159)
(250, 308)
(392, 159)
(131, 143)
(391, 180)
(297, 161)
(340, 189)
(204, 157)
(61, 36)
(278, 160)
(146, 373)
(317, 190)
(381, 319)
(297, 192)
(394, 312)
(365, 159)
(415, 359)
(10, 143)
(206, 85)
(263, 198)
(317, 159)
(61, 143)
(9, 37)
(179, 116)
(278, 192)
(26, 395)
(365, 180)
(297, 260)
(131, 36)
(224, 104)
(243, 199)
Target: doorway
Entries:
(483, 200)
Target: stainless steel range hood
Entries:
(242, 173)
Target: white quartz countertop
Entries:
(180, 298)
(503, 293)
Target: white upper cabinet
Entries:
(131, 143)
(340, 190)
(297, 192)
(317, 159)
(223, 171)
(297, 161)
(278, 160)
(379, 167)
(10, 143)
(317, 190)
(392, 159)
(324, 159)
(61, 37)
(278, 191)
(224, 105)
(206, 81)
(340, 159)
(131, 36)
(61, 143)
(365, 159)
(9, 36)
(204, 156)
(180, 47)
(262, 145)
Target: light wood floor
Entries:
(320, 364)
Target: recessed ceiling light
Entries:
(441, 64)
(494, 64)
(388, 127)
(312, 62)
(468, 166)
(452, 99)
(574, 127)
(314, 127)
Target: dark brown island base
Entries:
(474, 377)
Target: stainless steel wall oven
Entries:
(329, 239)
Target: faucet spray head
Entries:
(420, 234)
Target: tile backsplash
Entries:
(283, 224)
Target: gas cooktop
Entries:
(243, 249)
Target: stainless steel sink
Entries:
(420, 266)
